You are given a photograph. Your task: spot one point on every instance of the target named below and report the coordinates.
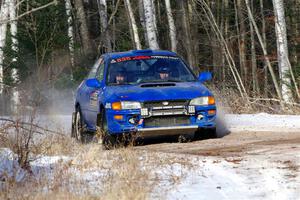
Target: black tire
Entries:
(109, 141)
(205, 133)
(211, 133)
(79, 129)
(73, 125)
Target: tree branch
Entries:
(54, 2)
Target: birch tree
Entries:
(150, 24)
(13, 33)
(3, 29)
(132, 25)
(172, 28)
(102, 7)
(282, 50)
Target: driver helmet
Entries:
(164, 69)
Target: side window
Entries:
(100, 72)
(94, 69)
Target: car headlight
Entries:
(203, 101)
(126, 105)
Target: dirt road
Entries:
(233, 144)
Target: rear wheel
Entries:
(79, 129)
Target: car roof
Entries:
(145, 52)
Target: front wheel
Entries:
(108, 140)
(205, 133)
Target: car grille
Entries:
(173, 111)
(159, 104)
(165, 121)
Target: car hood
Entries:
(150, 92)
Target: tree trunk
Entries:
(186, 32)
(14, 72)
(242, 40)
(3, 28)
(142, 20)
(150, 24)
(102, 7)
(132, 25)
(84, 32)
(255, 86)
(264, 38)
(70, 34)
(172, 28)
(282, 50)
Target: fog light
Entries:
(133, 120)
(200, 117)
(118, 117)
(191, 109)
(144, 112)
(211, 112)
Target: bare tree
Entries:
(150, 24)
(255, 86)
(211, 19)
(264, 38)
(242, 38)
(70, 33)
(84, 32)
(187, 32)
(172, 28)
(267, 60)
(102, 8)
(132, 25)
(142, 20)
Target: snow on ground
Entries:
(198, 177)
(271, 173)
(263, 122)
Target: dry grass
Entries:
(229, 100)
(93, 173)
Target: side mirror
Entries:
(93, 82)
(204, 76)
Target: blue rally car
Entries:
(143, 93)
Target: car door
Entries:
(93, 105)
(88, 95)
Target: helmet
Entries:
(163, 69)
(121, 71)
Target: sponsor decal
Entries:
(123, 59)
(94, 98)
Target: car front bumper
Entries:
(161, 125)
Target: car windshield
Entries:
(148, 69)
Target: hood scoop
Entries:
(157, 85)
